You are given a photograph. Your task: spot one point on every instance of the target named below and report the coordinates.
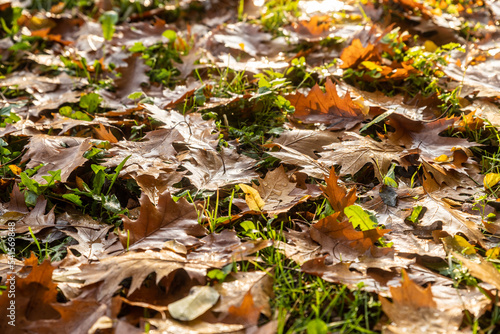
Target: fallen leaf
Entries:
(235, 287)
(252, 197)
(484, 270)
(132, 76)
(246, 313)
(326, 108)
(211, 169)
(414, 310)
(343, 242)
(356, 151)
(168, 220)
(56, 153)
(273, 193)
(308, 142)
(338, 196)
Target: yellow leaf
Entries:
(15, 169)
(371, 66)
(458, 244)
(467, 248)
(242, 46)
(252, 197)
(493, 253)
(430, 46)
(442, 158)
(491, 179)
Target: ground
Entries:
(247, 166)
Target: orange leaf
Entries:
(104, 134)
(355, 54)
(247, 313)
(338, 196)
(328, 108)
(341, 237)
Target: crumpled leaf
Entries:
(252, 197)
(338, 196)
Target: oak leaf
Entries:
(168, 220)
(132, 76)
(327, 108)
(111, 271)
(246, 313)
(413, 310)
(452, 221)
(56, 153)
(308, 142)
(423, 137)
(34, 295)
(314, 29)
(356, 53)
(342, 241)
(338, 196)
(310, 166)
(356, 151)
(155, 152)
(211, 170)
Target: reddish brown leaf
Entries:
(34, 295)
(338, 196)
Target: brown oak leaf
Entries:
(168, 220)
(56, 152)
(413, 310)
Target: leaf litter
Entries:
(186, 168)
